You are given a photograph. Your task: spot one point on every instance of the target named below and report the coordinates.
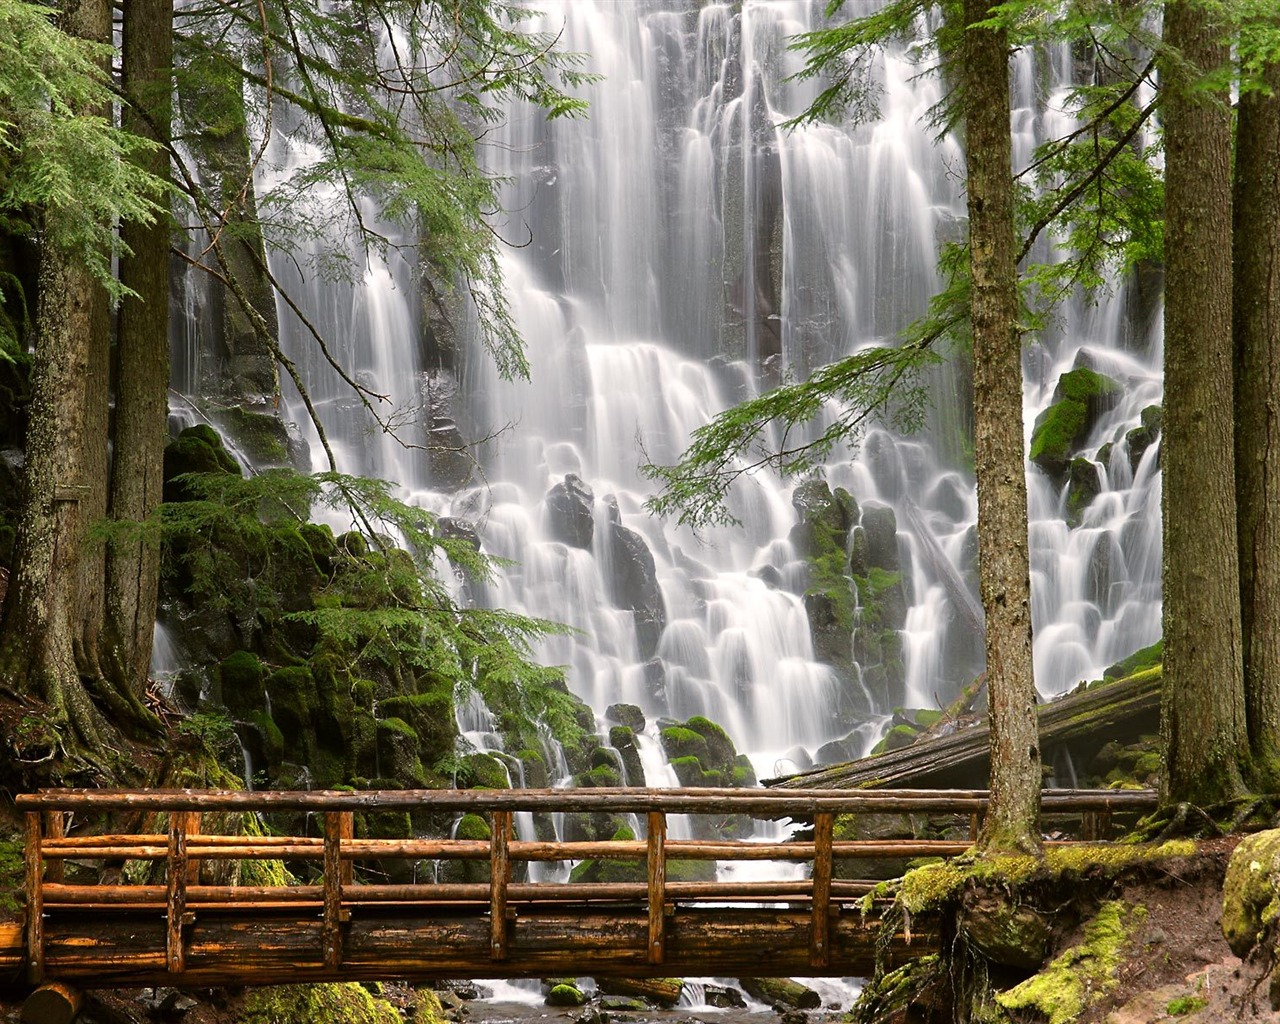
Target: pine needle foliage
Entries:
(380, 600)
(65, 173)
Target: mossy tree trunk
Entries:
(1013, 820)
(133, 562)
(1256, 319)
(52, 611)
(1203, 717)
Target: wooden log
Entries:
(819, 952)
(176, 875)
(54, 829)
(793, 801)
(346, 833)
(53, 1003)
(1093, 717)
(331, 934)
(35, 899)
(257, 947)
(194, 820)
(657, 885)
(659, 991)
(499, 880)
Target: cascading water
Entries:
(685, 249)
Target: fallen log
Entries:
(1083, 721)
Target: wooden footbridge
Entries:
(183, 930)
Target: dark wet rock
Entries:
(458, 529)
(950, 497)
(1083, 485)
(875, 541)
(626, 714)
(769, 576)
(571, 512)
(1142, 437)
(633, 585)
(725, 998)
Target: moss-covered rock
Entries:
(1083, 485)
(1146, 658)
(241, 679)
(565, 994)
(680, 741)
(623, 740)
(626, 714)
(720, 749)
(1251, 891)
(197, 449)
(324, 1003)
(483, 771)
(262, 436)
(1082, 395)
(1143, 436)
(1007, 933)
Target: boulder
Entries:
(626, 714)
(1081, 397)
(633, 584)
(1084, 483)
(875, 541)
(1142, 437)
(570, 508)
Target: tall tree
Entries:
(45, 613)
(1013, 818)
(1256, 311)
(142, 376)
(1203, 716)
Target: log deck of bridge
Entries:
(188, 933)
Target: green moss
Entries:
(720, 749)
(682, 742)
(484, 771)
(602, 776)
(1138, 661)
(565, 995)
(12, 877)
(325, 1003)
(427, 1008)
(261, 436)
(1184, 1005)
(1055, 433)
(1251, 890)
(688, 770)
(241, 676)
(398, 726)
(1083, 973)
(472, 826)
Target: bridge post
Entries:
(820, 937)
(35, 900)
(54, 828)
(499, 877)
(335, 876)
(177, 871)
(657, 864)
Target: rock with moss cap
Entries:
(197, 449)
(324, 1003)
(1081, 397)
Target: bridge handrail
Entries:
(625, 800)
(183, 847)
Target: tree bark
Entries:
(133, 562)
(52, 609)
(1256, 330)
(1203, 725)
(1013, 820)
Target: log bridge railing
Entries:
(186, 933)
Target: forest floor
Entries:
(1175, 966)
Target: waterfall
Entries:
(685, 250)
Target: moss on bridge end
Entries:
(1022, 937)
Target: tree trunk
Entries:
(1203, 725)
(41, 619)
(133, 562)
(1013, 821)
(1256, 298)
(52, 610)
